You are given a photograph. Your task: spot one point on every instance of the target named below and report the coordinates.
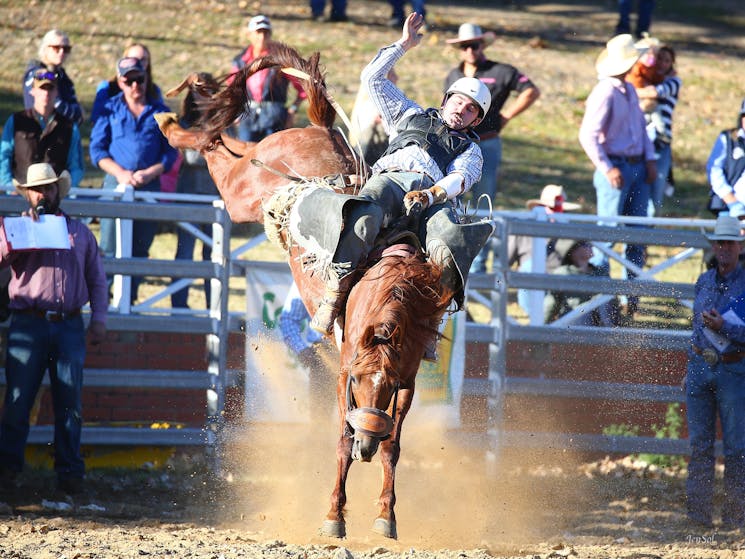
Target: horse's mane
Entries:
(406, 301)
(230, 102)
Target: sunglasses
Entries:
(45, 75)
(473, 46)
(63, 48)
(139, 80)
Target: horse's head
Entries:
(392, 314)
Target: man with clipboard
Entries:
(48, 287)
(715, 380)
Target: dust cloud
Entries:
(449, 495)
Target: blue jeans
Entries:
(630, 200)
(643, 20)
(185, 251)
(712, 391)
(657, 194)
(398, 8)
(338, 8)
(491, 149)
(35, 345)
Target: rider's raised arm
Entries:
(390, 101)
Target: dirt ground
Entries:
(273, 492)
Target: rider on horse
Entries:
(432, 158)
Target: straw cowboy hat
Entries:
(40, 174)
(619, 55)
(469, 32)
(727, 228)
(550, 196)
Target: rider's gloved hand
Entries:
(425, 198)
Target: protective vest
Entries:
(34, 145)
(428, 131)
(734, 168)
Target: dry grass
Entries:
(539, 147)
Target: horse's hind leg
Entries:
(390, 450)
(334, 525)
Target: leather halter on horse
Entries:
(370, 421)
(373, 422)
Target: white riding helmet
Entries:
(474, 90)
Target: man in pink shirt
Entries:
(48, 287)
(613, 134)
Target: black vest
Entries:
(32, 145)
(428, 131)
(734, 168)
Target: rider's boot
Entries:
(331, 305)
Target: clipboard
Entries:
(23, 233)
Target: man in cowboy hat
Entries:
(715, 380)
(613, 134)
(40, 133)
(48, 288)
(501, 80)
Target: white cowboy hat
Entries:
(548, 198)
(469, 32)
(40, 174)
(647, 41)
(618, 56)
(727, 228)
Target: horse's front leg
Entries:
(334, 524)
(390, 451)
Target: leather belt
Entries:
(51, 316)
(708, 354)
(630, 159)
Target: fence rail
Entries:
(490, 288)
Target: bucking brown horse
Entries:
(394, 309)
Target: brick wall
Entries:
(145, 350)
(581, 363)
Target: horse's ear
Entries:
(188, 80)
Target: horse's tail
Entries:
(230, 102)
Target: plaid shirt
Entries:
(393, 107)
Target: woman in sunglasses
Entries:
(53, 51)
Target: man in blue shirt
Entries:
(715, 380)
(127, 144)
(40, 134)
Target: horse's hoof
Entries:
(384, 528)
(334, 528)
